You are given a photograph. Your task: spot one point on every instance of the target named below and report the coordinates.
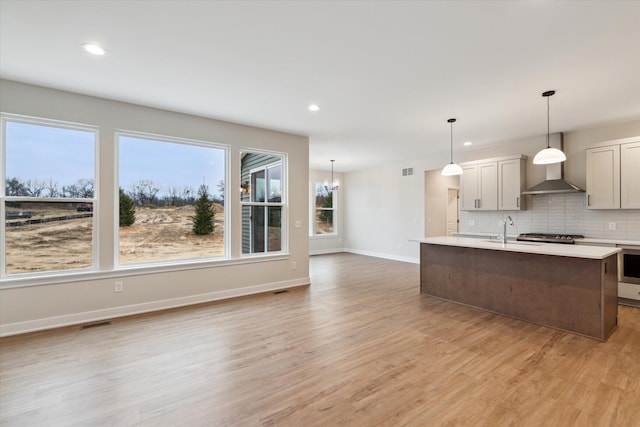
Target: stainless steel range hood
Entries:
(554, 182)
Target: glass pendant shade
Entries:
(452, 169)
(549, 156)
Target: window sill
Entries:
(136, 270)
(324, 236)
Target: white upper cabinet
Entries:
(603, 177)
(613, 175)
(511, 183)
(479, 187)
(630, 175)
(469, 188)
(493, 184)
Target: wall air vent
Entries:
(407, 171)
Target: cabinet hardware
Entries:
(588, 200)
(517, 202)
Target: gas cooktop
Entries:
(549, 238)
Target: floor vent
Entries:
(95, 325)
(281, 291)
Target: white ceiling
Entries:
(386, 74)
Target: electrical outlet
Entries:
(612, 226)
(294, 265)
(118, 286)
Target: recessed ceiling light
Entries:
(313, 107)
(93, 48)
(468, 143)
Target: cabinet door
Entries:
(603, 178)
(630, 175)
(488, 186)
(511, 181)
(469, 188)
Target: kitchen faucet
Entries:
(504, 227)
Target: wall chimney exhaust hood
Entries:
(554, 182)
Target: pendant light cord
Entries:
(548, 146)
(452, 121)
(451, 142)
(332, 181)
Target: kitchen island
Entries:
(569, 287)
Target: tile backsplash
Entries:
(558, 213)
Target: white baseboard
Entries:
(127, 310)
(326, 251)
(383, 255)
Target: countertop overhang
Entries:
(554, 249)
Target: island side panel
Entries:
(560, 292)
(610, 295)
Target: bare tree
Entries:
(85, 187)
(187, 195)
(15, 187)
(173, 196)
(82, 188)
(35, 188)
(144, 192)
(221, 187)
(53, 189)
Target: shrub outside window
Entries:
(48, 196)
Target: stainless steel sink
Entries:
(513, 243)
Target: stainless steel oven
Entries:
(629, 266)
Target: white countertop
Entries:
(618, 242)
(581, 241)
(574, 251)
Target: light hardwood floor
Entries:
(360, 347)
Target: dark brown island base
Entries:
(569, 287)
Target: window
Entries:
(171, 199)
(48, 195)
(324, 210)
(262, 199)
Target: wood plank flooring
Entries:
(359, 347)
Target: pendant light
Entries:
(334, 185)
(549, 155)
(452, 168)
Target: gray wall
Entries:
(25, 306)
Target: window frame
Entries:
(116, 199)
(315, 209)
(95, 235)
(283, 204)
